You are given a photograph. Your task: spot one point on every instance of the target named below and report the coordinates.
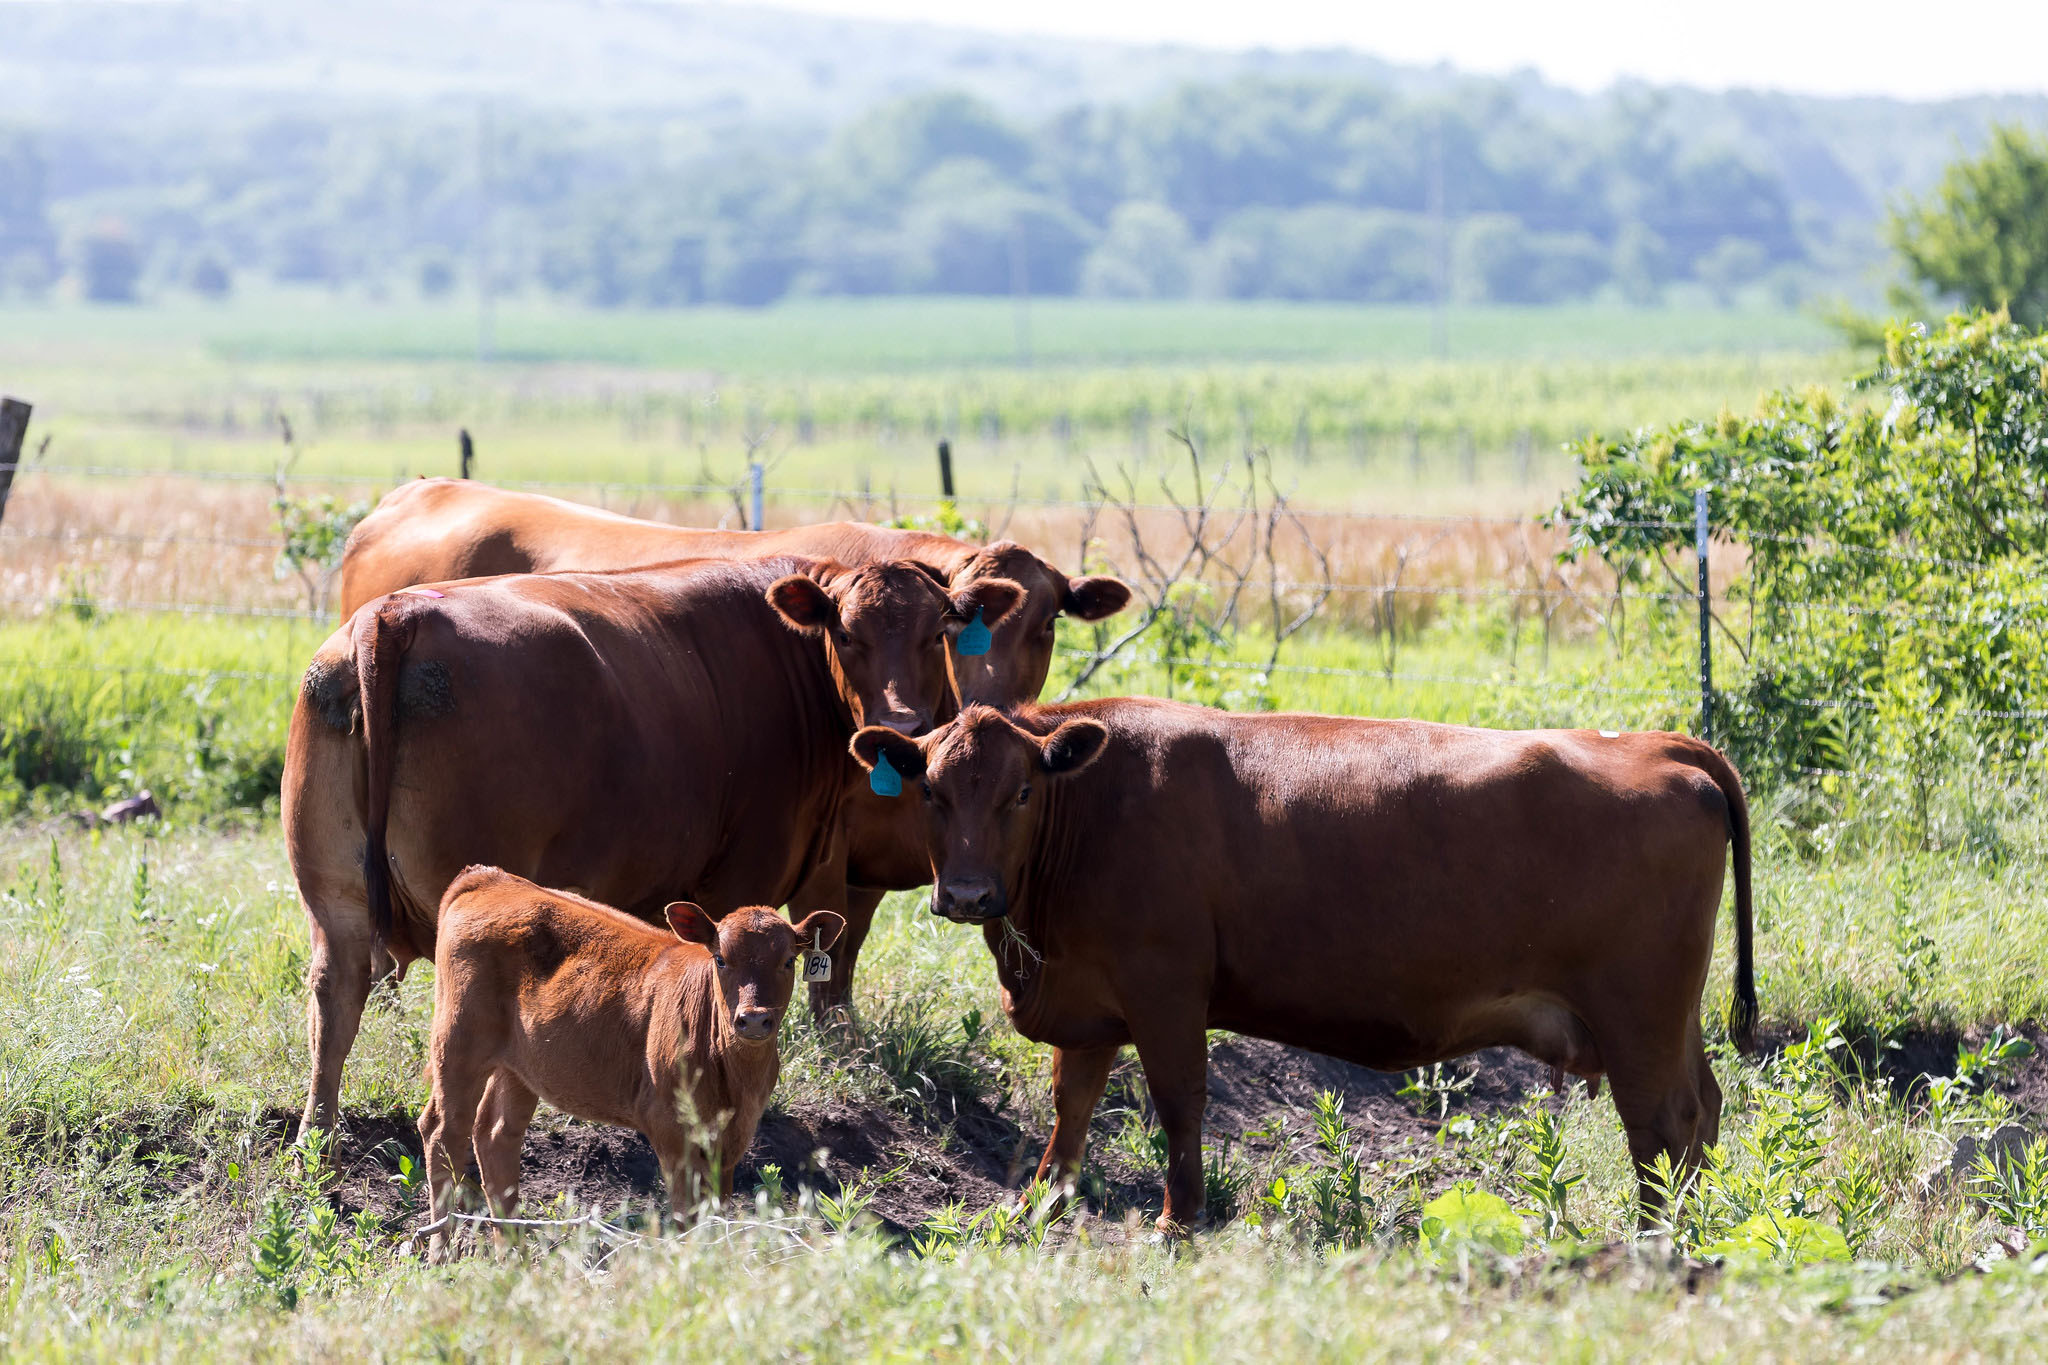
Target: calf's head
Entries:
(886, 629)
(1011, 669)
(754, 955)
(982, 781)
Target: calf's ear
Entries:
(803, 603)
(994, 598)
(820, 929)
(691, 924)
(875, 742)
(1091, 599)
(1072, 747)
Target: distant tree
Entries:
(209, 278)
(109, 264)
(1982, 234)
(437, 277)
(1144, 254)
(1496, 259)
(27, 242)
(1733, 263)
(1330, 251)
(1640, 264)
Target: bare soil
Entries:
(1260, 1097)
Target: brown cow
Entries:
(676, 733)
(1391, 893)
(436, 530)
(548, 996)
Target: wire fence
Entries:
(1545, 595)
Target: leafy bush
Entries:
(1896, 583)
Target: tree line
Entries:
(1255, 188)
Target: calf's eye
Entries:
(1023, 796)
(718, 961)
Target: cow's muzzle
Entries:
(969, 900)
(755, 1026)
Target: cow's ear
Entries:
(804, 603)
(691, 924)
(1091, 599)
(939, 580)
(876, 742)
(994, 598)
(1072, 747)
(820, 929)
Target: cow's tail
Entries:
(1742, 1012)
(381, 634)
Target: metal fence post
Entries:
(754, 496)
(1699, 541)
(13, 431)
(946, 470)
(468, 452)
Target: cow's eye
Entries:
(718, 961)
(926, 788)
(1052, 626)
(1023, 796)
(790, 965)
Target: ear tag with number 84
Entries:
(817, 965)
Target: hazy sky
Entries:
(1820, 46)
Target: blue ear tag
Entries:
(973, 638)
(884, 780)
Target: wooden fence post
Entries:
(468, 452)
(946, 470)
(13, 430)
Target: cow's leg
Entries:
(338, 984)
(1078, 1077)
(448, 1133)
(1175, 1055)
(501, 1124)
(1657, 1093)
(833, 1000)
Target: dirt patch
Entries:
(961, 1150)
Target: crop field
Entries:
(156, 1199)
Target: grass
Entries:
(151, 1026)
(815, 337)
(846, 394)
(151, 1019)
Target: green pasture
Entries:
(851, 395)
(893, 335)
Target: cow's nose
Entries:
(967, 900)
(909, 724)
(754, 1025)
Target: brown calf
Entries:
(1391, 893)
(542, 995)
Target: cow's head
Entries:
(755, 955)
(887, 629)
(982, 780)
(1019, 652)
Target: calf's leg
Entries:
(448, 1136)
(501, 1123)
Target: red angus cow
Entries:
(1391, 893)
(676, 733)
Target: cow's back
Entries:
(634, 737)
(1350, 885)
(438, 530)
